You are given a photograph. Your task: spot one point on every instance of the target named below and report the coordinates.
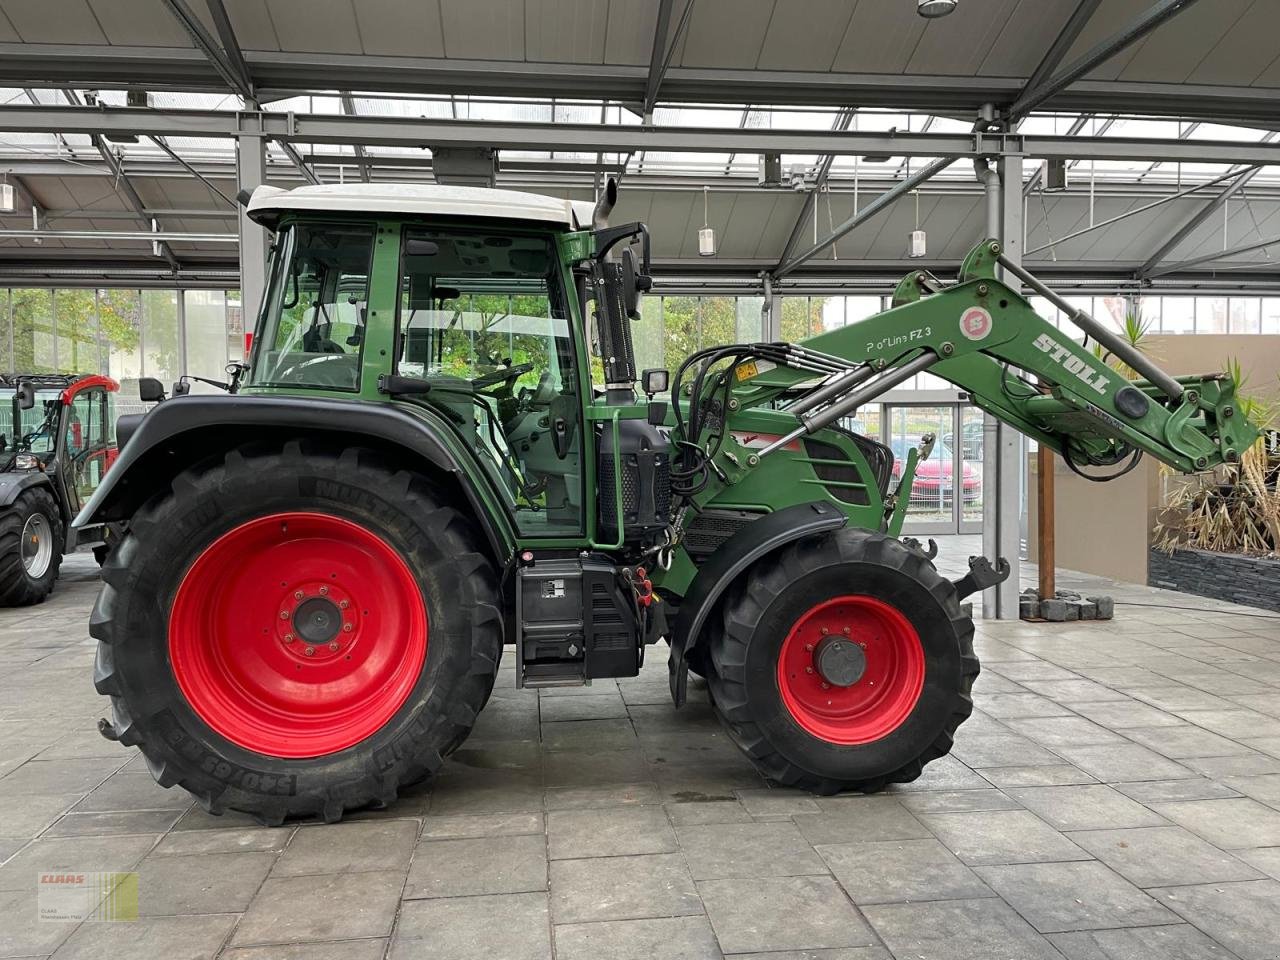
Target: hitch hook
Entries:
(982, 575)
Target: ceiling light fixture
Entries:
(935, 8)
(706, 236)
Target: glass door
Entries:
(946, 494)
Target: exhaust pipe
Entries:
(604, 206)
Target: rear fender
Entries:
(181, 432)
(12, 485)
(754, 541)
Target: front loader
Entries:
(437, 452)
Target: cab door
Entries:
(89, 444)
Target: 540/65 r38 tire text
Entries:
(297, 632)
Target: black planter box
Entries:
(1253, 581)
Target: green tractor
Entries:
(437, 450)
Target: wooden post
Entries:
(1046, 554)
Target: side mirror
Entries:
(655, 381)
(150, 390)
(25, 395)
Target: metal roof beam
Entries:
(207, 45)
(1153, 17)
(1196, 220)
(362, 159)
(1213, 258)
(842, 121)
(612, 138)
(230, 44)
(295, 158)
(1066, 38)
(881, 202)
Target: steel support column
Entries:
(251, 169)
(1003, 468)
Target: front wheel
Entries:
(30, 548)
(843, 662)
(292, 633)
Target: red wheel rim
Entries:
(880, 699)
(297, 634)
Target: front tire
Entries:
(31, 537)
(843, 662)
(292, 633)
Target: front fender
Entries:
(12, 485)
(175, 434)
(735, 555)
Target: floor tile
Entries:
(1054, 732)
(192, 842)
(1163, 856)
(609, 832)
(1124, 762)
(210, 883)
(1243, 917)
(1230, 824)
(1179, 941)
(720, 851)
(348, 848)
(1003, 836)
(1158, 791)
(162, 938)
(333, 950)
(1185, 741)
(79, 854)
(782, 913)
(674, 938)
(1121, 714)
(901, 871)
(776, 802)
(583, 708)
(511, 927)
(712, 811)
(622, 888)
(333, 907)
(491, 825)
(1085, 807)
(1057, 897)
(486, 865)
(958, 930)
(857, 819)
(1048, 775)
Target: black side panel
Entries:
(162, 443)
(737, 553)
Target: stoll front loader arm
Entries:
(765, 419)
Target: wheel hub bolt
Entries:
(324, 591)
(344, 604)
(310, 651)
(808, 669)
(846, 631)
(333, 646)
(826, 686)
(808, 647)
(824, 631)
(346, 628)
(284, 614)
(288, 638)
(297, 594)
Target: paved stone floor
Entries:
(1116, 795)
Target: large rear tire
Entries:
(297, 633)
(31, 538)
(843, 662)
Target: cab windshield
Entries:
(36, 430)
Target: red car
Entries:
(934, 482)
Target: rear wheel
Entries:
(30, 548)
(293, 633)
(843, 663)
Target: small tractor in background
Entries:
(438, 451)
(57, 442)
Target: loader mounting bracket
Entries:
(982, 575)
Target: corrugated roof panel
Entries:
(139, 23)
(1025, 35)
(1173, 51)
(483, 29)
(54, 21)
(725, 33)
(957, 45)
(629, 31)
(253, 25)
(315, 26)
(1109, 19)
(805, 36)
(393, 28)
(1247, 49)
(565, 31)
(881, 38)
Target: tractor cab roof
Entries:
(69, 383)
(414, 199)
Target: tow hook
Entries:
(982, 575)
(915, 546)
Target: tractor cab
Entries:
(57, 442)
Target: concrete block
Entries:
(1059, 610)
(1106, 607)
(1067, 595)
(1029, 608)
(1087, 609)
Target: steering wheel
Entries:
(501, 376)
